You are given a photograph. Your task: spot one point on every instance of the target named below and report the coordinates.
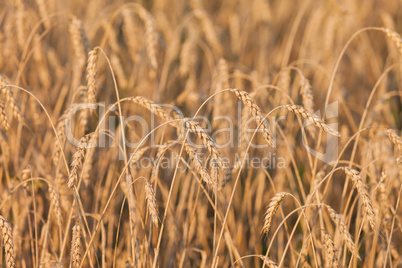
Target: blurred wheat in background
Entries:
(234, 133)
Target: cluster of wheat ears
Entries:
(181, 99)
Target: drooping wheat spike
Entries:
(136, 156)
(151, 202)
(300, 111)
(257, 114)
(271, 210)
(196, 128)
(394, 37)
(153, 108)
(343, 229)
(91, 75)
(330, 250)
(268, 262)
(9, 99)
(76, 163)
(76, 246)
(361, 187)
(8, 242)
(395, 139)
(199, 165)
(3, 117)
(150, 37)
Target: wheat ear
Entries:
(153, 108)
(343, 229)
(55, 201)
(271, 210)
(76, 163)
(395, 139)
(151, 202)
(76, 246)
(150, 37)
(199, 165)
(9, 99)
(91, 75)
(361, 187)
(300, 111)
(257, 114)
(330, 251)
(3, 117)
(8, 242)
(196, 128)
(394, 37)
(268, 262)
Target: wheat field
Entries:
(233, 133)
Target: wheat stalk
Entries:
(361, 187)
(271, 210)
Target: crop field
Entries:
(233, 133)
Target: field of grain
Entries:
(233, 133)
